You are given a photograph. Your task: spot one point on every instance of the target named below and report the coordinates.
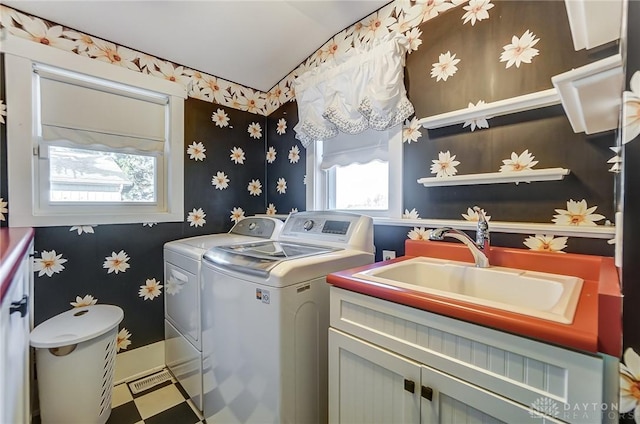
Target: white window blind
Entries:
(77, 110)
(345, 149)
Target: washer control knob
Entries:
(252, 226)
(308, 225)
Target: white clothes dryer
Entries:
(184, 311)
(265, 348)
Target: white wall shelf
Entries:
(529, 101)
(594, 23)
(592, 94)
(528, 228)
(547, 174)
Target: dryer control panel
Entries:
(265, 227)
(331, 228)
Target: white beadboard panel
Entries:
(455, 401)
(518, 368)
(455, 411)
(367, 383)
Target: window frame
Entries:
(318, 186)
(24, 182)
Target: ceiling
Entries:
(254, 43)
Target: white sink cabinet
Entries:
(390, 363)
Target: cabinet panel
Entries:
(456, 401)
(367, 384)
(523, 370)
(14, 348)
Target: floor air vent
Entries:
(149, 382)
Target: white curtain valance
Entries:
(362, 90)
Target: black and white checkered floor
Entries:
(165, 403)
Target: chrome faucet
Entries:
(479, 249)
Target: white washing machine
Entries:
(184, 313)
(265, 350)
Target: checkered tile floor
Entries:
(166, 403)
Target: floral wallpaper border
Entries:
(400, 16)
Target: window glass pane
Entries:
(362, 186)
(82, 175)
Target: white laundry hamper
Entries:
(75, 361)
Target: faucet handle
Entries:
(482, 219)
(482, 230)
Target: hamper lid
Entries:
(76, 325)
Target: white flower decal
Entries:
(3, 111)
(445, 67)
(631, 109)
(577, 213)
(544, 243)
(169, 72)
(424, 10)
(377, 24)
(418, 234)
(122, 341)
(3, 209)
(237, 215)
(173, 286)
(271, 155)
(411, 214)
(149, 224)
(411, 130)
(477, 10)
(220, 118)
(520, 50)
(115, 55)
(218, 90)
(196, 151)
(196, 218)
(49, 263)
(151, 289)
(414, 39)
(255, 130)
(220, 180)
(35, 29)
(477, 122)
(472, 215)
(294, 154)
(294, 210)
(237, 155)
(445, 165)
(630, 384)
(523, 162)
(271, 209)
(83, 229)
(255, 187)
(281, 186)
(80, 302)
(117, 262)
(282, 126)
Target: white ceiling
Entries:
(254, 43)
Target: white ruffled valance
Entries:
(364, 89)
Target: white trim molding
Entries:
(598, 231)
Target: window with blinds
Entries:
(99, 141)
(104, 144)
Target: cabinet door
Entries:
(14, 349)
(368, 384)
(446, 399)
